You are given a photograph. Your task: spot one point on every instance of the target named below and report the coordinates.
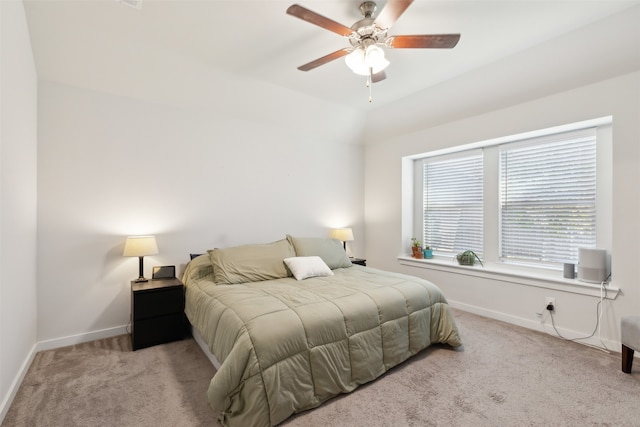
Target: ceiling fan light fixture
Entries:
(374, 58)
(355, 61)
(366, 61)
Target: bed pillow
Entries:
(304, 267)
(251, 263)
(330, 250)
(199, 267)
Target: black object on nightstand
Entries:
(157, 312)
(359, 261)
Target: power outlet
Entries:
(550, 303)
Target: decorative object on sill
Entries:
(140, 246)
(427, 252)
(468, 258)
(343, 234)
(569, 270)
(416, 248)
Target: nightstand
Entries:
(157, 312)
(359, 261)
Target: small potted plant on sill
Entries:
(416, 248)
(468, 257)
(427, 253)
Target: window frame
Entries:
(412, 200)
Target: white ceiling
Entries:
(98, 43)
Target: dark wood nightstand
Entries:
(359, 261)
(157, 312)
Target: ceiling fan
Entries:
(365, 56)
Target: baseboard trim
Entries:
(81, 338)
(610, 346)
(15, 385)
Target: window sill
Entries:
(541, 279)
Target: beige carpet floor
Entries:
(503, 375)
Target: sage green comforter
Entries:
(286, 345)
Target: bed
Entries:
(294, 323)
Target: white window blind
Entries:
(548, 198)
(453, 202)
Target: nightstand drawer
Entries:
(158, 330)
(158, 302)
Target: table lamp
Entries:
(343, 234)
(140, 246)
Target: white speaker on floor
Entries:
(592, 265)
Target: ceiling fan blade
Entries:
(327, 58)
(378, 77)
(391, 12)
(432, 41)
(319, 20)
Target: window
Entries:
(531, 199)
(548, 197)
(452, 202)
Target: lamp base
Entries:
(141, 278)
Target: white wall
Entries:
(197, 178)
(18, 162)
(512, 301)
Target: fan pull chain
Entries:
(369, 84)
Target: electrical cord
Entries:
(599, 310)
(602, 288)
(128, 327)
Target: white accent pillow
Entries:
(303, 267)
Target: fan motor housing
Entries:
(366, 29)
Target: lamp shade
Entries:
(140, 246)
(342, 234)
